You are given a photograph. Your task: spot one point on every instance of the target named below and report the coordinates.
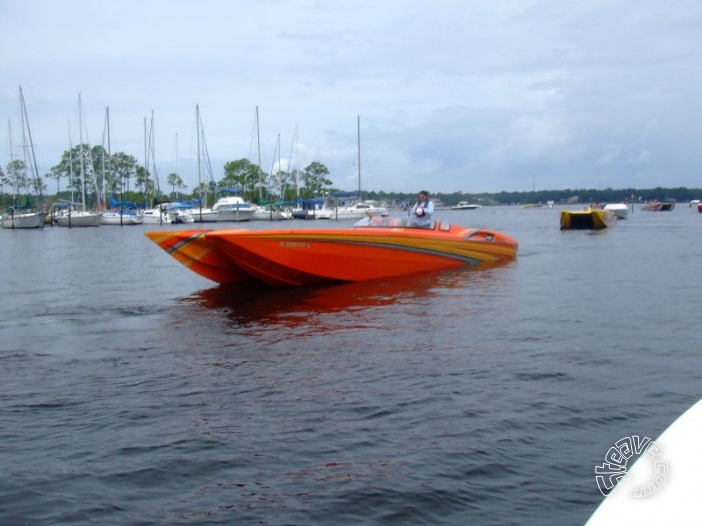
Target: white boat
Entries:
(200, 213)
(323, 213)
(155, 215)
(203, 215)
(271, 213)
(70, 215)
(356, 211)
(620, 210)
(662, 485)
(233, 208)
(465, 205)
(121, 218)
(27, 219)
(169, 213)
(78, 218)
(23, 220)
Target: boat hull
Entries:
(194, 250)
(27, 220)
(463, 205)
(115, 218)
(587, 219)
(620, 210)
(79, 219)
(323, 256)
(657, 206)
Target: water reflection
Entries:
(247, 305)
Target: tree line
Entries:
(91, 173)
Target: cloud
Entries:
(453, 96)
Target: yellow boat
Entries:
(590, 219)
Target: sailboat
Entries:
(360, 209)
(24, 219)
(272, 212)
(201, 214)
(72, 216)
(116, 216)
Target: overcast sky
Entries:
(453, 95)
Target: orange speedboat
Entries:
(373, 249)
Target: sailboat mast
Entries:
(258, 140)
(82, 154)
(70, 161)
(152, 143)
(292, 146)
(146, 164)
(106, 161)
(25, 119)
(199, 163)
(360, 198)
(12, 162)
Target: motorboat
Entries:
(621, 210)
(203, 215)
(465, 205)
(374, 248)
(658, 206)
(233, 208)
(170, 213)
(588, 219)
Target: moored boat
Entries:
(233, 208)
(13, 219)
(355, 211)
(376, 248)
(170, 213)
(271, 213)
(126, 217)
(78, 218)
(590, 219)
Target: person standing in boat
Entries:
(422, 211)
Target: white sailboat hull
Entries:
(28, 220)
(79, 219)
(115, 218)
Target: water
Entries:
(132, 391)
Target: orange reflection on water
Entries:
(309, 307)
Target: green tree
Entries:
(245, 176)
(123, 168)
(144, 182)
(315, 179)
(175, 181)
(17, 175)
(56, 173)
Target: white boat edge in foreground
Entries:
(673, 478)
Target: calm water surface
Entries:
(132, 391)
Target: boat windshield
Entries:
(392, 222)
